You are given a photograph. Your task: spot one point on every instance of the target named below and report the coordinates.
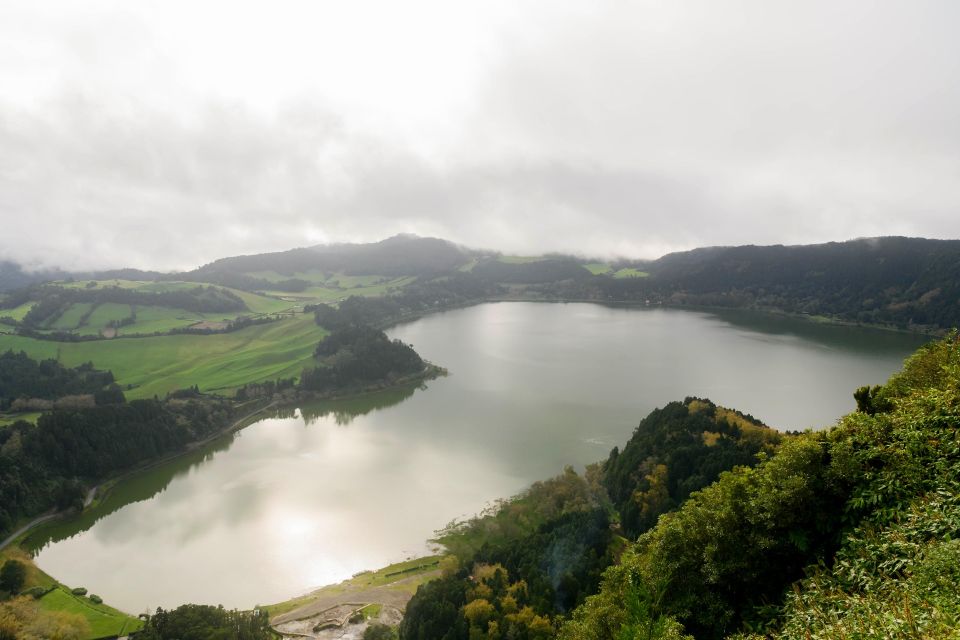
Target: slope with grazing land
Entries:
(220, 362)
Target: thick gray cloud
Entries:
(132, 136)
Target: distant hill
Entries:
(402, 255)
(910, 283)
(892, 280)
(13, 276)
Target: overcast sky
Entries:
(167, 134)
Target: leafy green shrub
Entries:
(36, 592)
(12, 575)
(96, 599)
(379, 631)
(79, 591)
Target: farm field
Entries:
(597, 268)
(104, 621)
(17, 313)
(338, 287)
(520, 259)
(87, 319)
(216, 363)
(630, 273)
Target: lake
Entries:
(313, 495)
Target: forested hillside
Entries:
(517, 571)
(396, 256)
(898, 281)
(25, 379)
(848, 532)
(851, 532)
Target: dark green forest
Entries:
(356, 356)
(53, 463)
(23, 377)
(902, 282)
(205, 622)
(521, 568)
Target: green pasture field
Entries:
(597, 268)
(71, 317)
(10, 418)
(100, 284)
(340, 287)
(469, 266)
(17, 313)
(163, 319)
(318, 277)
(103, 314)
(150, 319)
(216, 363)
(104, 621)
(630, 273)
(520, 259)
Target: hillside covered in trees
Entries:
(899, 281)
(25, 379)
(516, 571)
(51, 464)
(851, 532)
(356, 356)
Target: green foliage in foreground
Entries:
(520, 567)
(205, 622)
(101, 620)
(849, 533)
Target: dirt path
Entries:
(30, 525)
(391, 595)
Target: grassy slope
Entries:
(103, 619)
(596, 268)
(71, 317)
(10, 418)
(218, 362)
(103, 314)
(151, 319)
(17, 313)
(520, 259)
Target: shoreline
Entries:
(102, 489)
(771, 312)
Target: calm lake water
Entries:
(311, 497)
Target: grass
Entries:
(339, 287)
(104, 314)
(597, 268)
(105, 621)
(216, 363)
(520, 259)
(10, 418)
(630, 273)
(71, 317)
(17, 313)
(385, 576)
(150, 319)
